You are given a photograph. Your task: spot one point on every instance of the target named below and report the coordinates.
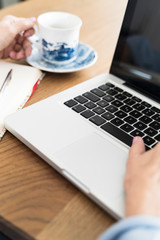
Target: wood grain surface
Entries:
(35, 201)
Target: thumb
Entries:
(137, 147)
(23, 24)
(17, 24)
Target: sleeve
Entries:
(137, 227)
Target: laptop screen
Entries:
(137, 55)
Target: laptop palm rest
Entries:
(85, 162)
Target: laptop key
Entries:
(135, 114)
(117, 103)
(108, 116)
(111, 109)
(91, 97)
(155, 109)
(151, 132)
(127, 94)
(87, 114)
(129, 102)
(137, 133)
(145, 119)
(70, 103)
(121, 97)
(78, 108)
(139, 125)
(126, 108)
(148, 140)
(90, 105)
(97, 120)
(155, 125)
(117, 122)
(99, 110)
(130, 120)
(108, 98)
(118, 133)
(148, 112)
(104, 87)
(146, 104)
(118, 89)
(136, 99)
(158, 138)
(110, 84)
(98, 92)
(127, 128)
(156, 117)
(138, 107)
(102, 103)
(81, 99)
(112, 92)
(120, 114)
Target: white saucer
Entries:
(86, 57)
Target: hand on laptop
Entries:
(13, 37)
(142, 180)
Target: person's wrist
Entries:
(140, 201)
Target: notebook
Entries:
(89, 128)
(22, 83)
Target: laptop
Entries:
(85, 132)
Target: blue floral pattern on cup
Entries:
(58, 52)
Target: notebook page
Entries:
(3, 74)
(19, 88)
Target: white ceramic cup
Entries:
(59, 36)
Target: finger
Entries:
(157, 146)
(6, 51)
(17, 47)
(11, 26)
(28, 51)
(19, 39)
(19, 24)
(29, 33)
(27, 47)
(12, 55)
(20, 55)
(5, 54)
(1, 54)
(156, 151)
(137, 147)
(17, 56)
(23, 24)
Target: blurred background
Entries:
(5, 3)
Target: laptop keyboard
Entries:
(119, 113)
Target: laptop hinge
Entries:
(142, 91)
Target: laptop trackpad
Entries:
(97, 163)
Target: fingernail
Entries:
(33, 19)
(12, 54)
(20, 55)
(27, 35)
(135, 139)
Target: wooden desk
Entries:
(35, 201)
